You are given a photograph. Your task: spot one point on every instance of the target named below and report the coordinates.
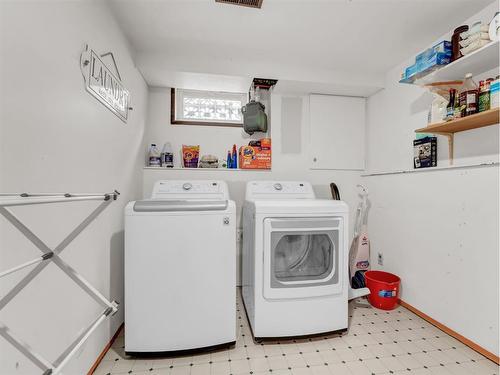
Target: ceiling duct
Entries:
(243, 3)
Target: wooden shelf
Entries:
(449, 128)
(479, 120)
(477, 62)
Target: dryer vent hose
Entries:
(335, 191)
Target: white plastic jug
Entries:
(154, 156)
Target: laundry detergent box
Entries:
(425, 152)
(257, 155)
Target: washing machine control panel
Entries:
(200, 189)
(279, 190)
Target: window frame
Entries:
(175, 121)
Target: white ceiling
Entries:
(334, 43)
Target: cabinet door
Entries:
(337, 132)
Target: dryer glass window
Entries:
(302, 256)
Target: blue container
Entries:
(442, 47)
(435, 59)
(411, 71)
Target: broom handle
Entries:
(357, 222)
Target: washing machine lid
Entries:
(279, 190)
(182, 190)
(163, 205)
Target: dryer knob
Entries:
(187, 186)
(278, 186)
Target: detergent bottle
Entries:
(234, 158)
(154, 156)
(167, 156)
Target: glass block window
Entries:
(207, 107)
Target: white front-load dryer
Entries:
(180, 268)
(295, 257)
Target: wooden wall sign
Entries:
(102, 84)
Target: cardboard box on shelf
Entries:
(425, 152)
(257, 155)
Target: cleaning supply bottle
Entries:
(234, 158)
(494, 93)
(450, 108)
(154, 156)
(468, 96)
(229, 160)
(167, 156)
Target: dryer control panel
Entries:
(190, 189)
(279, 190)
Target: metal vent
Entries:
(243, 3)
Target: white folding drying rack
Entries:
(52, 255)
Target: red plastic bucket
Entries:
(384, 289)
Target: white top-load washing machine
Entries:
(295, 260)
(180, 268)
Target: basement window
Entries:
(195, 107)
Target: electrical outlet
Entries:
(380, 259)
(239, 235)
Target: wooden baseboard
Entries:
(105, 350)
(464, 340)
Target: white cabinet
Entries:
(337, 132)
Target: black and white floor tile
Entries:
(378, 342)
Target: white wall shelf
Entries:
(431, 169)
(207, 169)
(477, 62)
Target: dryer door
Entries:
(302, 257)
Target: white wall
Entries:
(438, 230)
(285, 165)
(55, 137)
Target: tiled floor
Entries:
(378, 342)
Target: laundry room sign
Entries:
(103, 84)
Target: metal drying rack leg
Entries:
(24, 265)
(24, 348)
(10, 200)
